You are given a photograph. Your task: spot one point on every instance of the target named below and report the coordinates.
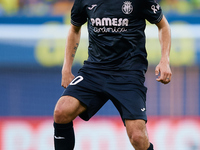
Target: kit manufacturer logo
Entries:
(94, 5)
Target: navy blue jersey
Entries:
(116, 31)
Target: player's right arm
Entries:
(70, 51)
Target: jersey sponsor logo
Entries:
(109, 24)
(94, 5)
(111, 29)
(155, 8)
(127, 8)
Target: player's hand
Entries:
(67, 77)
(163, 72)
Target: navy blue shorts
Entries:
(95, 88)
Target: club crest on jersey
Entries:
(127, 8)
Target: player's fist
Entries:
(67, 77)
(163, 73)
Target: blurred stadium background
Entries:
(32, 42)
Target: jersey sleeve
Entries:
(78, 13)
(152, 11)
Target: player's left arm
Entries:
(163, 71)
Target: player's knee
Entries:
(62, 114)
(139, 140)
(135, 138)
(67, 109)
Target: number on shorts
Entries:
(76, 80)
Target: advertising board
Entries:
(100, 133)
